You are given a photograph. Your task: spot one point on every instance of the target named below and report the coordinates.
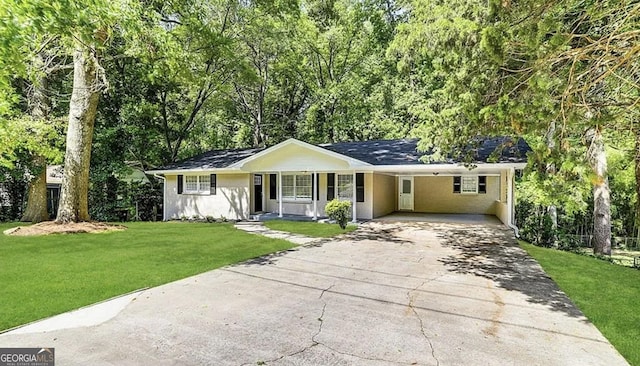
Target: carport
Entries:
(400, 216)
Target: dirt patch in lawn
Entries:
(51, 227)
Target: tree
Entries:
(344, 44)
(586, 54)
(559, 67)
(84, 34)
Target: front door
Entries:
(405, 189)
(257, 193)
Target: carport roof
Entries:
(374, 152)
(405, 151)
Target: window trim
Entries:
(475, 184)
(337, 187)
(295, 197)
(199, 182)
(480, 187)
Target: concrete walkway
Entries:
(386, 294)
(258, 228)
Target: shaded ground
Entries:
(494, 254)
(51, 227)
(387, 294)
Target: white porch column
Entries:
(353, 199)
(279, 194)
(315, 196)
(510, 201)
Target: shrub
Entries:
(338, 211)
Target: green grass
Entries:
(313, 229)
(608, 294)
(45, 275)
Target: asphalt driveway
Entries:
(387, 294)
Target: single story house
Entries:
(379, 177)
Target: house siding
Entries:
(435, 195)
(364, 210)
(230, 201)
(384, 194)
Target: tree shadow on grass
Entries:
(493, 253)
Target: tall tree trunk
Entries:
(552, 211)
(601, 193)
(637, 162)
(73, 206)
(36, 210)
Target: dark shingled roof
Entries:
(404, 151)
(375, 152)
(212, 159)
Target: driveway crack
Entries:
(364, 357)
(325, 290)
(415, 312)
(313, 337)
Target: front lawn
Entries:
(46, 275)
(308, 228)
(608, 294)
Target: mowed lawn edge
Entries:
(309, 228)
(43, 276)
(606, 293)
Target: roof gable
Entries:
(293, 154)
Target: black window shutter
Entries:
(331, 186)
(359, 187)
(272, 186)
(317, 178)
(457, 184)
(482, 184)
(212, 184)
(180, 182)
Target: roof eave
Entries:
(457, 166)
(194, 170)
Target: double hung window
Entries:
(296, 187)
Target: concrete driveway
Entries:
(388, 294)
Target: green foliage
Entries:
(607, 294)
(82, 269)
(340, 211)
(114, 199)
(13, 189)
(23, 137)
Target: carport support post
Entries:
(510, 200)
(279, 194)
(353, 198)
(315, 196)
